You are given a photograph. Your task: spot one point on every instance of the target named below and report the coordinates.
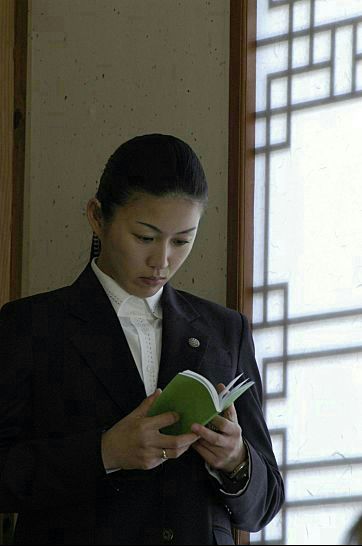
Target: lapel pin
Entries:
(193, 342)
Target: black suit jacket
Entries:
(67, 374)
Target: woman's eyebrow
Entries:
(155, 228)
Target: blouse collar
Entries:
(125, 304)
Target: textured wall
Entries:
(100, 72)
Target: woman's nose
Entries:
(159, 258)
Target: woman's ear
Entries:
(94, 214)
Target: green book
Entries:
(195, 399)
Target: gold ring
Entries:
(164, 454)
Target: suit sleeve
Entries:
(263, 497)
(37, 472)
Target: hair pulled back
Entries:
(156, 164)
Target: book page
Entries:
(230, 397)
(227, 389)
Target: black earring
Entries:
(96, 246)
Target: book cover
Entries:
(195, 399)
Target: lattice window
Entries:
(308, 260)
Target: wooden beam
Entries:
(13, 68)
(242, 84)
(13, 71)
(7, 38)
(20, 86)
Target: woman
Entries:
(81, 461)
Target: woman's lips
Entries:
(153, 281)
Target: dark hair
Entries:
(156, 164)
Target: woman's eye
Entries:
(181, 242)
(144, 239)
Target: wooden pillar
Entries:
(242, 84)
(7, 38)
(13, 67)
(13, 62)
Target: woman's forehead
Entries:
(174, 214)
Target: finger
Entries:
(177, 442)
(231, 431)
(171, 453)
(215, 424)
(214, 438)
(230, 414)
(207, 454)
(212, 426)
(221, 425)
(163, 420)
(143, 408)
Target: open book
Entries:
(195, 399)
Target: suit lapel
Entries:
(98, 336)
(181, 322)
(95, 330)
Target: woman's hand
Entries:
(136, 442)
(223, 449)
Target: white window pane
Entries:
(321, 525)
(308, 264)
(279, 96)
(270, 59)
(301, 14)
(359, 76)
(278, 447)
(301, 51)
(272, 20)
(316, 186)
(278, 128)
(322, 46)
(326, 335)
(274, 377)
(275, 305)
(320, 409)
(327, 11)
(310, 86)
(258, 307)
(343, 61)
(324, 483)
(269, 343)
(259, 212)
(359, 38)
(260, 133)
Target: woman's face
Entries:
(147, 241)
